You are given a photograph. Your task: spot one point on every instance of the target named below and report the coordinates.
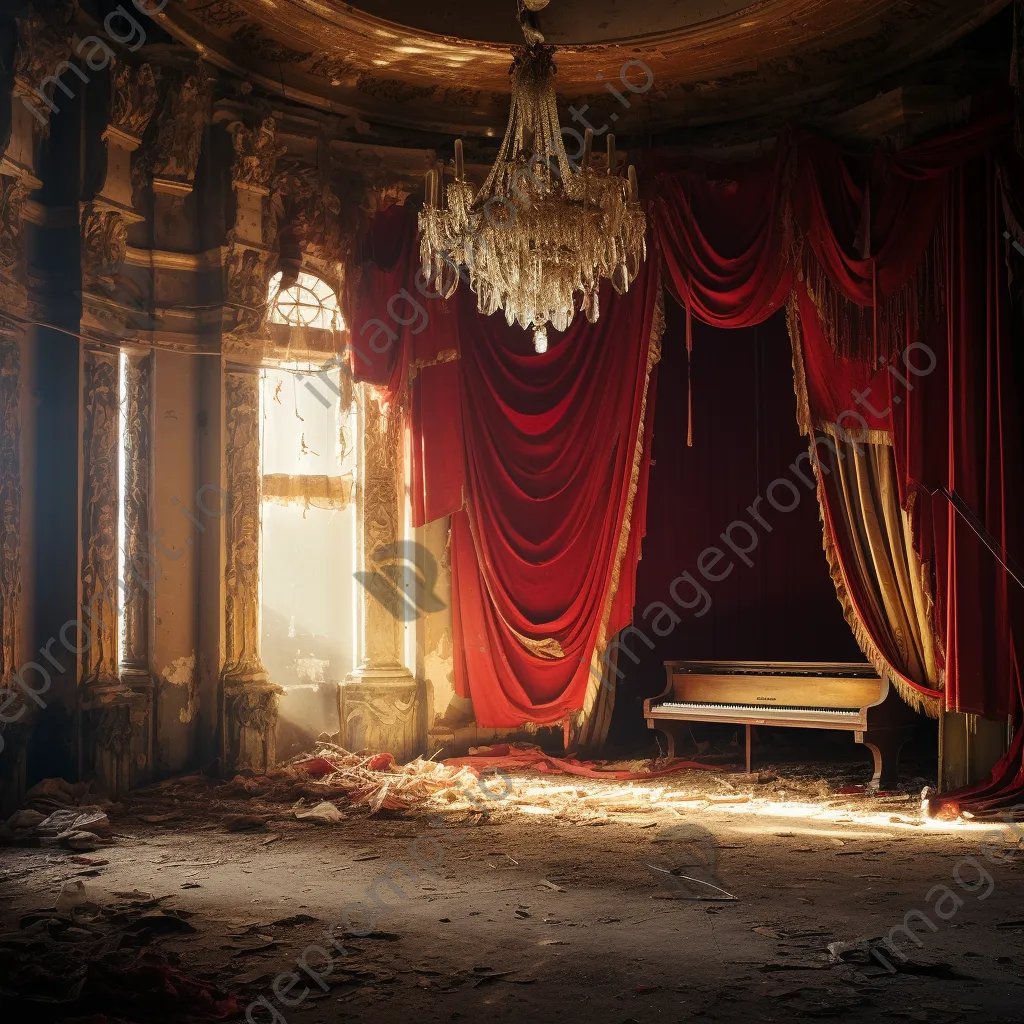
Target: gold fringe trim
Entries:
(796, 344)
(868, 436)
(914, 698)
(594, 683)
(804, 423)
(446, 355)
(880, 330)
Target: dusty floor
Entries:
(559, 917)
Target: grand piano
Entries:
(800, 695)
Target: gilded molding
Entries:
(99, 589)
(765, 58)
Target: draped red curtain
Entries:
(555, 466)
(540, 459)
(885, 255)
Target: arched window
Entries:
(310, 302)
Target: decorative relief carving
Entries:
(394, 90)
(133, 99)
(251, 36)
(99, 516)
(381, 521)
(382, 715)
(10, 507)
(250, 699)
(335, 69)
(137, 403)
(217, 12)
(455, 96)
(104, 245)
(305, 214)
(250, 725)
(248, 279)
(256, 154)
(241, 569)
(44, 41)
(170, 155)
(12, 199)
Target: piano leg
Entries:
(673, 732)
(885, 748)
(890, 725)
(748, 749)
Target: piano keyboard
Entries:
(720, 711)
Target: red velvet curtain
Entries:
(888, 254)
(540, 459)
(553, 470)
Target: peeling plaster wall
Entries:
(175, 637)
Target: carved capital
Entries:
(171, 153)
(133, 99)
(256, 154)
(304, 213)
(44, 42)
(104, 244)
(247, 272)
(12, 200)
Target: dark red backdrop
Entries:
(744, 426)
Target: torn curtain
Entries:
(540, 459)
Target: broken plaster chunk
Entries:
(323, 813)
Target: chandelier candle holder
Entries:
(542, 232)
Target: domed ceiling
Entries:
(442, 65)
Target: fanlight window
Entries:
(309, 302)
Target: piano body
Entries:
(799, 695)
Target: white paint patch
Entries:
(182, 672)
(312, 670)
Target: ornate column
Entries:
(115, 699)
(41, 44)
(379, 703)
(136, 666)
(250, 700)
(105, 704)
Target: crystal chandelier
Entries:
(544, 228)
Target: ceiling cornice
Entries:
(768, 56)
